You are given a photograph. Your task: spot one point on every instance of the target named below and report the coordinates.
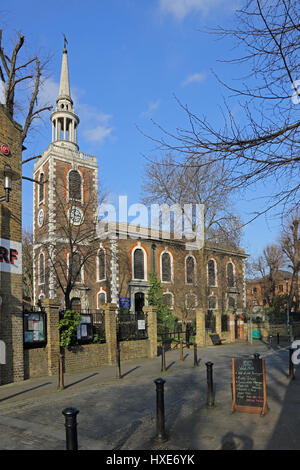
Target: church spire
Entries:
(64, 119)
(64, 85)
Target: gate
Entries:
(131, 326)
(210, 322)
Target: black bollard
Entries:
(187, 336)
(195, 355)
(278, 338)
(210, 387)
(181, 350)
(161, 435)
(70, 415)
(291, 365)
(61, 385)
(270, 339)
(118, 362)
(163, 359)
(256, 355)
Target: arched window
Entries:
(41, 187)
(230, 275)
(231, 302)
(101, 299)
(42, 268)
(191, 301)
(212, 273)
(138, 264)
(168, 299)
(101, 265)
(166, 267)
(74, 185)
(190, 267)
(212, 302)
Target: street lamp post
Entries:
(7, 175)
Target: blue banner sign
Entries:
(124, 302)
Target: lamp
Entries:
(8, 175)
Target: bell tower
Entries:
(66, 193)
(64, 119)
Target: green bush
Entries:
(68, 329)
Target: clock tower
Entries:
(66, 193)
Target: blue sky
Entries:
(127, 60)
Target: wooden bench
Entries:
(216, 340)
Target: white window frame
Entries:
(216, 272)
(145, 278)
(101, 291)
(81, 185)
(186, 300)
(216, 307)
(195, 270)
(234, 276)
(98, 265)
(172, 296)
(166, 250)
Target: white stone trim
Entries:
(216, 272)
(139, 246)
(101, 248)
(166, 250)
(195, 270)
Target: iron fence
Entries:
(210, 322)
(131, 326)
(91, 328)
(224, 323)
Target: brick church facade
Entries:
(117, 268)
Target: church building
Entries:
(114, 269)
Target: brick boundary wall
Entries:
(44, 361)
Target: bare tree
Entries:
(71, 249)
(167, 183)
(267, 265)
(290, 245)
(263, 145)
(12, 73)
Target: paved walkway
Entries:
(119, 414)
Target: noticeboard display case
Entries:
(85, 329)
(35, 331)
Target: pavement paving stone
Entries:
(119, 414)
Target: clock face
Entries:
(75, 215)
(40, 217)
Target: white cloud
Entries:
(97, 134)
(153, 106)
(194, 78)
(181, 8)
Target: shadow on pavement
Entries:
(25, 391)
(129, 372)
(81, 380)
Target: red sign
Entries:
(5, 149)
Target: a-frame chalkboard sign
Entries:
(249, 386)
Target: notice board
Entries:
(249, 385)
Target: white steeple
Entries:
(64, 120)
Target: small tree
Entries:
(155, 298)
(68, 329)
